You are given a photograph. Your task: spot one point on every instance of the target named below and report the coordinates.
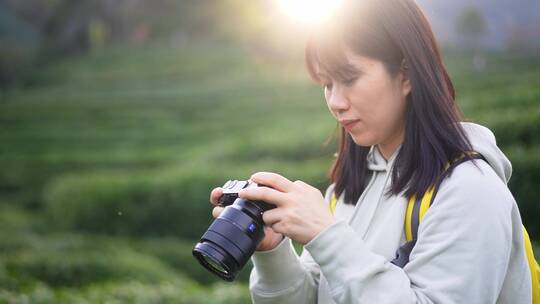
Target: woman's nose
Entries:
(337, 101)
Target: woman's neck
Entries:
(389, 147)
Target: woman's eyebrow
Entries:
(354, 68)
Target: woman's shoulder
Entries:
(474, 186)
(474, 175)
(472, 204)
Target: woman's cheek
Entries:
(364, 134)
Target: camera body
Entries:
(233, 236)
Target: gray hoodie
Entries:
(469, 248)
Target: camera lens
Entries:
(232, 238)
(213, 259)
(215, 264)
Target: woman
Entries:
(384, 81)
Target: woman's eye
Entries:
(349, 82)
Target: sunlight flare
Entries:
(309, 11)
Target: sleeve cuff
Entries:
(278, 267)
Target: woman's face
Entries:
(374, 100)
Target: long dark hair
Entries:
(394, 32)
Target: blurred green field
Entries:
(107, 164)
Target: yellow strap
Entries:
(408, 218)
(424, 206)
(533, 266)
(425, 202)
(333, 203)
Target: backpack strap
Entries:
(333, 203)
(533, 267)
(418, 206)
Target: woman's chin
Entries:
(363, 141)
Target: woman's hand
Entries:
(301, 211)
(271, 238)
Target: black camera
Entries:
(231, 239)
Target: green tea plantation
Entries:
(108, 161)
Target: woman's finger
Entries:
(215, 195)
(272, 216)
(217, 211)
(278, 227)
(273, 180)
(264, 194)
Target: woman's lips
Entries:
(349, 124)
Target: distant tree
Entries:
(19, 45)
(471, 26)
(37, 32)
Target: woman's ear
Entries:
(405, 82)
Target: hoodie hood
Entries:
(376, 161)
(482, 140)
